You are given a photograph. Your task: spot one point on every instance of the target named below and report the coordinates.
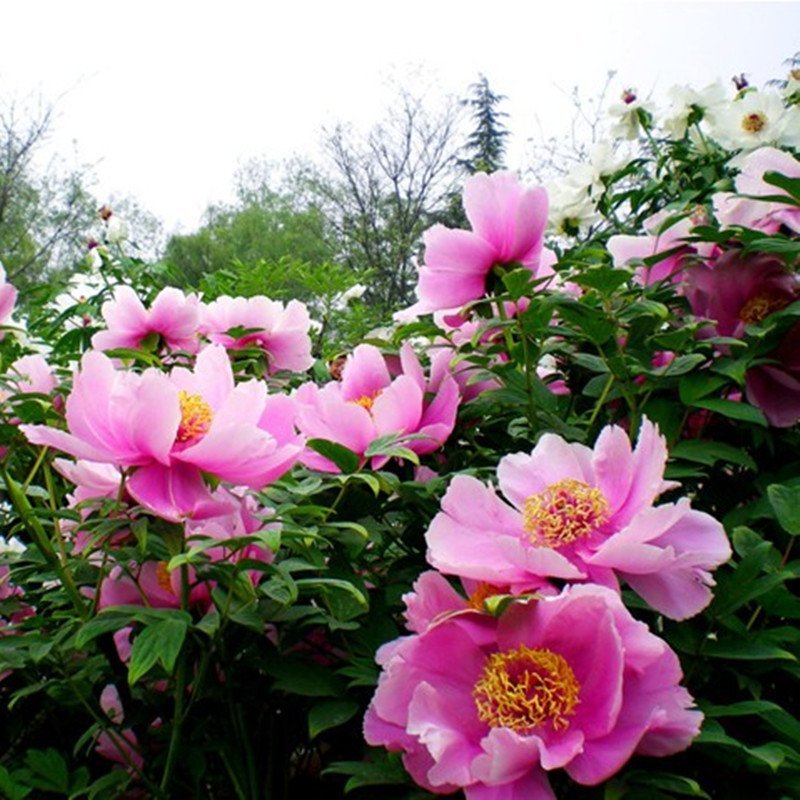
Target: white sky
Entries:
(165, 98)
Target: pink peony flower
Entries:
(491, 705)
(368, 403)
(735, 290)
(750, 212)
(121, 745)
(508, 225)
(172, 320)
(775, 387)
(282, 333)
(170, 429)
(8, 299)
(578, 514)
(669, 242)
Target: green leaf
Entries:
(785, 502)
(385, 769)
(344, 458)
(112, 619)
(734, 410)
(697, 385)
(303, 677)
(790, 185)
(157, 643)
(705, 451)
(517, 282)
(330, 714)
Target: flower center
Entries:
(524, 689)
(762, 305)
(196, 417)
(367, 400)
(753, 123)
(482, 593)
(163, 577)
(563, 512)
(795, 74)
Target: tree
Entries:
(265, 226)
(380, 191)
(44, 214)
(486, 144)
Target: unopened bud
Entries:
(740, 82)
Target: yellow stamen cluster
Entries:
(526, 688)
(367, 400)
(761, 306)
(753, 123)
(163, 577)
(196, 417)
(482, 593)
(563, 512)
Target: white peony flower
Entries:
(684, 100)
(116, 230)
(627, 116)
(571, 212)
(588, 177)
(755, 119)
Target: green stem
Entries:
(43, 543)
(180, 692)
(602, 399)
(34, 469)
(526, 354)
(501, 313)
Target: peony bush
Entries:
(532, 540)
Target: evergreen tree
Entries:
(486, 144)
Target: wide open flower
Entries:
(735, 290)
(750, 211)
(172, 320)
(508, 225)
(169, 429)
(570, 681)
(580, 514)
(369, 403)
(281, 332)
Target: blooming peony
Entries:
(173, 319)
(170, 429)
(282, 333)
(579, 514)
(735, 290)
(750, 211)
(569, 681)
(508, 225)
(369, 403)
(755, 119)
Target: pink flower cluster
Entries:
(177, 321)
(563, 678)
(729, 288)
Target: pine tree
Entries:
(486, 144)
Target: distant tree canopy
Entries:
(267, 226)
(358, 214)
(44, 214)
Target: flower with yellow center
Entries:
(196, 416)
(754, 122)
(367, 400)
(761, 306)
(564, 512)
(525, 689)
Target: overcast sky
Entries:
(165, 98)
